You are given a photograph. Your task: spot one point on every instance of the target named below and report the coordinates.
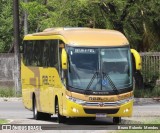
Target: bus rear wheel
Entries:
(116, 120)
(61, 119)
(39, 115)
(36, 113)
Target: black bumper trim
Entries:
(105, 111)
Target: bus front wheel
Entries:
(61, 119)
(116, 120)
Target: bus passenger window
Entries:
(34, 54)
(53, 54)
(28, 50)
(61, 71)
(46, 54)
(39, 53)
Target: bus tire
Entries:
(91, 118)
(36, 113)
(87, 118)
(61, 119)
(46, 116)
(116, 120)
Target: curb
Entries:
(141, 101)
(9, 99)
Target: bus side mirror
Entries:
(64, 59)
(137, 57)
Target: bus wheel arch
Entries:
(55, 103)
(33, 97)
(60, 118)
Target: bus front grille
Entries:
(106, 111)
(99, 103)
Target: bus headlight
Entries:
(125, 100)
(78, 101)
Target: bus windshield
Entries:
(98, 69)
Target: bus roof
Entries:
(82, 36)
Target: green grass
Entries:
(147, 93)
(7, 92)
(2, 121)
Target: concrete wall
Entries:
(6, 70)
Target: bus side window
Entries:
(61, 45)
(39, 52)
(34, 54)
(61, 71)
(46, 53)
(24, 53)
(53, 54)
(28, 50)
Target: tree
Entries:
(138, 20)
(6, 25)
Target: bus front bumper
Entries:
(73, 109)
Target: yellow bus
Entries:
(78, 72)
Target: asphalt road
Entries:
(17, 114)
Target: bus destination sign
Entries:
(84, 51)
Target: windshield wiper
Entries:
(111, 82)
(92, 79)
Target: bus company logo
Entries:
(101, 104)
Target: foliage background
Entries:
(138, 20)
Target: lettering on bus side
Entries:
(48, 80)
(45, 80)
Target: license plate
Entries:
(101, 115)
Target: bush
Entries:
(7, 92)
(2, 121)
(147, 93)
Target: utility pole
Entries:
(16, 47)
(25, 20)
